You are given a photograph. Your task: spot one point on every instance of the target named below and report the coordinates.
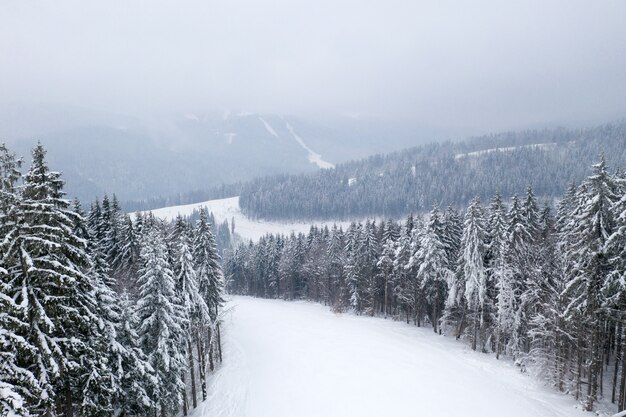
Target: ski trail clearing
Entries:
(297, 359)
(313, 157)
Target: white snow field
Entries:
(246, 228)
(298, 359)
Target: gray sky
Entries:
(479, 64)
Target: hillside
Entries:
(141, 158)
(394, 184)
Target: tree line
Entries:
(415, 179)
(543, 285)
(101, 314)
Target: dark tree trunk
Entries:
(618, 358)
(219, 343)
(192, 374)
(67, 392)
(622, 387)
(202, 359)
(211, 354)
(184, 394)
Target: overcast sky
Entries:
(480, 64)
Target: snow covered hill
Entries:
(296, 359)
(246, 228)
(192, 150)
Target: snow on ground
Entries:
(268, 127)
(505, 149)
(246, 228)
(287, 359)
(314, 158)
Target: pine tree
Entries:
(137, 377)
(453, 230)
(614, 291)
(210, 286)
(369, 251)
(433, 273)
(353, 268)
(161, 324)
(594, 224)
(336, 285)
(519, 247)
(101, 387)
(402, 281)
(386, 261)
(210, 280)
(195, 309)
(474, 272)
(126, 264)
(47, 263)
(18, 385)
(501, 274)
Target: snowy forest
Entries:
(101, 314)
(438, 174)
(540, 284)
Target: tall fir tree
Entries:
(433, 274)
(161, 329)
(474, 273)
(47, 264)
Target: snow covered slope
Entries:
(296, 359)
(228, 209)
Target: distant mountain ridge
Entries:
(142, 159)
(415, 179)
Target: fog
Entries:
(477, 65)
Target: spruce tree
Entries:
(137, 376)
(594, 224)
(195, 309)
(47, 264)
(433, 273)
(501, 274)
(18, 385)
(161, 324)
(474, 272)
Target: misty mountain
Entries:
(439, 174)
(142, 158)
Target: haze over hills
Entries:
(139, 158)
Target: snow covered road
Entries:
(297, 359)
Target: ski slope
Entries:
(297, 359)
(246, 228)
(312, 156)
